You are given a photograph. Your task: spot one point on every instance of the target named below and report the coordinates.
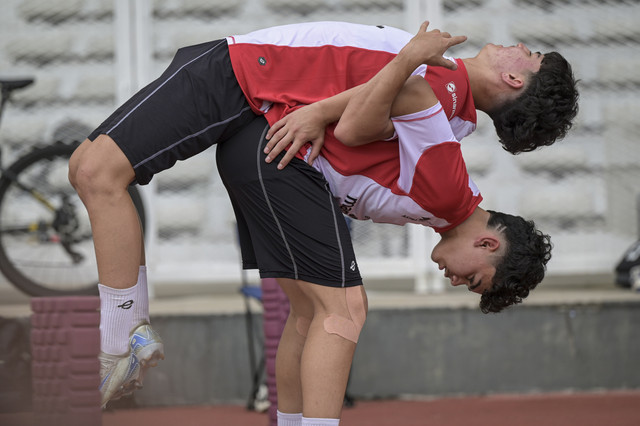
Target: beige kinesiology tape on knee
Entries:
(349, 328)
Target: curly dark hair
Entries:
(544, 112)
(521, 267)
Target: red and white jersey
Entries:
(420, 177)
(281, 68)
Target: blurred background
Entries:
(90, 55)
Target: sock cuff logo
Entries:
(126, 305)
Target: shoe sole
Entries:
(125, 389)
(149, 356)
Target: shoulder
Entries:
(416, 95)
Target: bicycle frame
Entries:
(46, 246)
(5, 95)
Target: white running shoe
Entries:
(118, 375)
(148, 348)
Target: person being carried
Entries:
(197, 102)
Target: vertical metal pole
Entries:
(427, 277)
(124, 69)
(133, 68)
(133, 52)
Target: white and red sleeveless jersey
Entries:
(418, 177)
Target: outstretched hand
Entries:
(427, 47)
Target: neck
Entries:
(477, 221)
(477, 84)
(487, 92)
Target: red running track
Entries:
(591, 409)
(598, 409)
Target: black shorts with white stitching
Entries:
(194, 104)
(289, 224)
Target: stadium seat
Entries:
(477, 31)
(97, 46)
(52, 12)
(179, 213)
(99, 9)
(617, 26)
(620, 69)
(21, 130)
(210, 7)
(198, 169)
(45, 90)
(369, 4)
(94, 88)
(302, 7)
(560, 203)
(478, 157)
(559, 159)
(41, 48)
(190, 35)
(544, 29)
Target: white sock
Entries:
(141, 309)
(309, 421)
(116, 315)
(287, 419)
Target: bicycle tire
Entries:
(45, 251)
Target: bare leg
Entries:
(288, 384)
(100, 172)
(326, 358)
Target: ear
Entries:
(490, 243)
(515, 81)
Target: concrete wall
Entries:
(422, 351)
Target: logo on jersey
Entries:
(347, 204)
(262, 60)
(417, 219)
(451, 88)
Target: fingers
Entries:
(288, 156)
(275, 128)
(278, 142)
(450, 65)
(316, 147)
(457, 40)
(275, 136)
(444, 34)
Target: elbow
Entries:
(345, 135)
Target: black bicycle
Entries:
(46, 245)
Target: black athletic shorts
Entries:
(289, 223)
(194, 104)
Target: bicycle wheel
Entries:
(46, 246)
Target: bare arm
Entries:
(402, 96)
(391, 92)
(306, 124)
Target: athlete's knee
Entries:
(350, 325)
(301, 308)
(98, 169)
(302, 325)
(74, 163)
